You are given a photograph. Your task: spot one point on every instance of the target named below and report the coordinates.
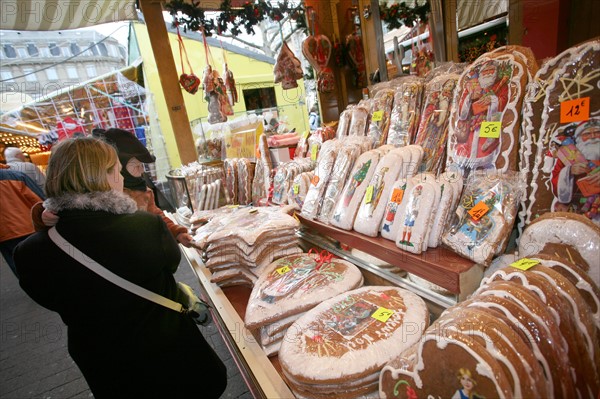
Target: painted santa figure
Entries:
(576, 173)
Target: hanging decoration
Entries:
(470, 48)
(191, 82)
(233, 20)
(317, 51)
(232, 94)
(288, 68)
(399, 14)
(355, 56)
(215, 91)
(423, 58)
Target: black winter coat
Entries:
(125, 346)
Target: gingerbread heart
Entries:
(317, 50)
(190, 83)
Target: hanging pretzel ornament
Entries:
(189, 82)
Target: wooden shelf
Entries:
(437, 265)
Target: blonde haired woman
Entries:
(125, 346)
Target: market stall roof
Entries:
(86, 105)
(44, 15)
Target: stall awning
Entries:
(43, 15)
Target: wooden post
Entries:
(450, 30)
(515, 22)
(157, 32)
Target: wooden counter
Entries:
(437, 265)
(229, 304)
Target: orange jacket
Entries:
(17, 196)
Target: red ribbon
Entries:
(322, 258)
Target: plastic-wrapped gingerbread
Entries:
(232, 94)
(288, 68)
(355, 55)
(317, 50)
(215, 93)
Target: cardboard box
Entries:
(282, 154)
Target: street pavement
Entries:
(34, 362)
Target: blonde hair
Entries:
(79, 165)
(465, 372)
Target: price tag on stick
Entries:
(479, 210)
(369, 195)
(577, 110)
(524, 264)
(397, 195)
(490, 130)
(377, 116)
(283, 270)
(382, 314)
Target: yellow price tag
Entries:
(479, 210)
(377, 116)
(525, 264)
(382, 314)
(313, 152)
(283, 270)
(490, 130)
(369, 195)
(296, 188)
(305, 134)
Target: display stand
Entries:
(439, 266)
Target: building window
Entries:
(22, 52)
(122, 51)
(91, 71)
(44, 52)
(6, 75)
(32, 50)
(51, 74)
(29, 74)
(75, 48)
(54, 50)
(113, 51)
(94, 49)
(9, 51)
(260, 98)
(103, 49)
(72, 72)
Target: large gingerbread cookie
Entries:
(575, 233)
(297, 283)
(490, 91)
(349, 338)
(566, 167)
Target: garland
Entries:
(233, 20)
(399, 14)
(470, 48)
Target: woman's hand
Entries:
(49, 218)
(185, 239)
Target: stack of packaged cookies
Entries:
(291, 286)
(532, 329)
(237, 246)
(339, 347)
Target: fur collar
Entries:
(107, 201)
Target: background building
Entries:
(35, 64)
